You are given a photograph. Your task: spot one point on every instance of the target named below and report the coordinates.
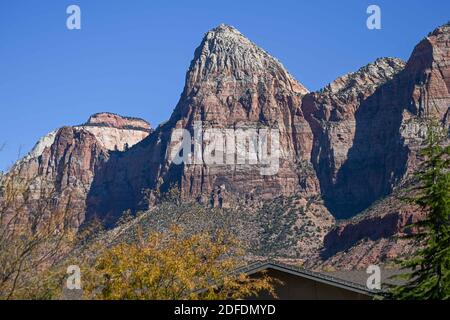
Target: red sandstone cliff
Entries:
(231, 84)
(63, 164)
(352, 143)
(385, 154)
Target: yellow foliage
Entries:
(172, 266)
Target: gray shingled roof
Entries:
(350, 280)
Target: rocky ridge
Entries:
(333, 116)
(351, 144)
(392, 133)
(62, 165)
(231, 84)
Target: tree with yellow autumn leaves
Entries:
(37, 244)
(172, 265)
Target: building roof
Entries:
(328, 279)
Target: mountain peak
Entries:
(224, 28)
(371, 75)
(227, 35)
(107, 119)
(225, 53)
(442, 30)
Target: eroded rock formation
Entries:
(352, 143)
(231, 84)
(63, 164)
(384, 155)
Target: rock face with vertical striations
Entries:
(390, 131)
(63, 164)
(341, 149)
(231, 84)
(369, 125)
(234, 84)
(333, 114)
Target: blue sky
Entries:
(130, 57)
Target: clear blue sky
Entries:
(131, 56)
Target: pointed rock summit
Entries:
(225, 54)
(345, 142)
(365, 79)
(429, 67)
(341, 149)
(232, 80)
(231, 84)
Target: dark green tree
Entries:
(428, 270)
